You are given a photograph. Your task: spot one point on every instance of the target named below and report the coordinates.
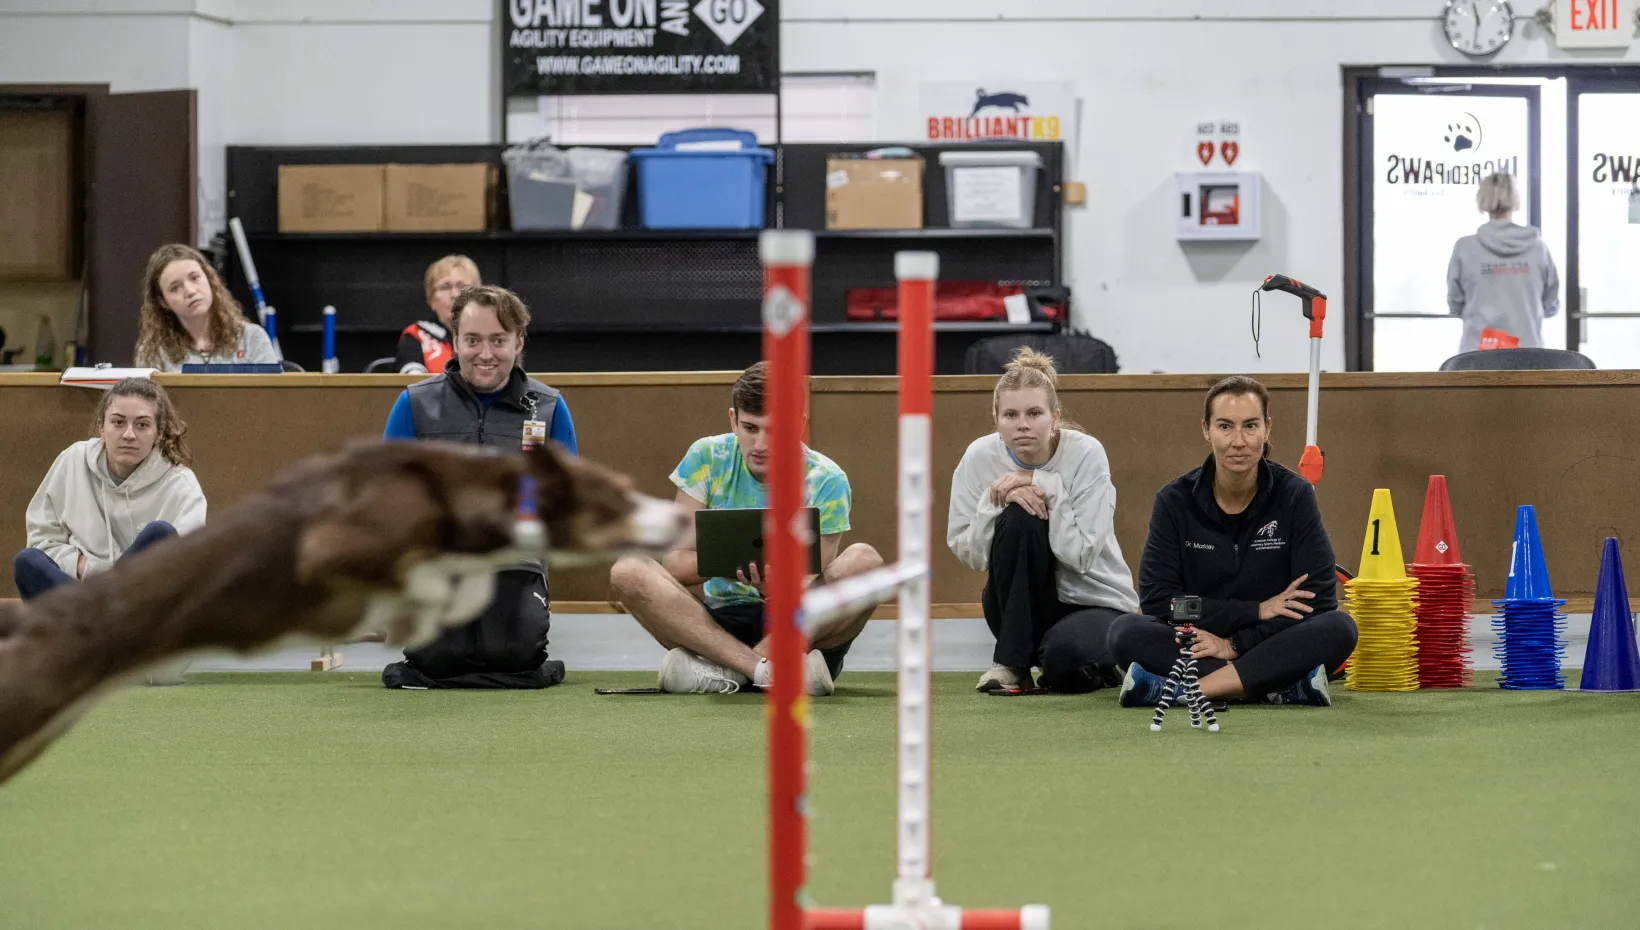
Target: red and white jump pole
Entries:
(788, 256)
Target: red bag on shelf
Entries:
(953, 300)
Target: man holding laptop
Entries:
(719, 646)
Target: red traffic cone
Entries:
(1437, 535)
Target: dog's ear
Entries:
(365, 527)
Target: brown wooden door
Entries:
(143, 195)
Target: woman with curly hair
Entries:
(188, 317)
(126, 488)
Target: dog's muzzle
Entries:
(656, 524)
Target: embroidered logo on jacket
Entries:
(1197, 545)
(1266, 539)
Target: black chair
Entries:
(1525, 359)
(381, 366)
(288, 365)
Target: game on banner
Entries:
(640, 46)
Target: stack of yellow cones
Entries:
(1380, 598)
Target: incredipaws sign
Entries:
(640, 46)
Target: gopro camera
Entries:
(1187, 608)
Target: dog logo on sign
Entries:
(1007, 100)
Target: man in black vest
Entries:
(484, 398)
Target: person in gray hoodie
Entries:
(1502, 278)
(104, 498)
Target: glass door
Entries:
(1428, 145)
(1604, 287)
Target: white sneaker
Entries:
(1003, 678)
(683, 672)
(817, 674)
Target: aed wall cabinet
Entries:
(1221, 205)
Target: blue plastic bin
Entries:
(702, 179)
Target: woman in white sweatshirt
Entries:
(1032, 505)
(106, 497)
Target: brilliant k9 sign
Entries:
(1594, 23)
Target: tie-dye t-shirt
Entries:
(714, 473)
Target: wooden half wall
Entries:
(1567, 442)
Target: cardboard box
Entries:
(37, 226)
(874, 193)
(330, 198)
(439, 198)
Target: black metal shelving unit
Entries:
(629, 299)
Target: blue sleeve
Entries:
(401, 424)
(563, 428)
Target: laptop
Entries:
(727, 540)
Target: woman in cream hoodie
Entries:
(125, 488)
(1032, 506)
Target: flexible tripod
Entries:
(1182, 678)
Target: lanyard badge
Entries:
(535, 431)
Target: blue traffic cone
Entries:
(1530, 641)
(1612, 662)
(1528, 575)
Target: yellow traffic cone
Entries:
(1381, 550)
(1382, 600)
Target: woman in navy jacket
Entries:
(1244, 534)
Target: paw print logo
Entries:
(1463, 134)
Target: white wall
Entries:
(354, 71)
(1145, 81)
(358, 71)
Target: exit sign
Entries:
(1594, 23)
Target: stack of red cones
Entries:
(1446, 595)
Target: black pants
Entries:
(35, 573)
(505, 647)
(1069, 642)
(745, 623)
(1323, 639)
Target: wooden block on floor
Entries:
(327, 660)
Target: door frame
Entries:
(1359, 156)
(1604, 80)
(1357, 175)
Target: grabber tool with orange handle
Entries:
(1315, 310)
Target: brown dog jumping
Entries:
(398, 538)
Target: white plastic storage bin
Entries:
(551, 188)
(991, 188)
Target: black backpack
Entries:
(505, 647)
(1072, 353)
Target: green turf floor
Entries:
(295, 801)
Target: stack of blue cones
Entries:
(1531, 633)
(1612, 662)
